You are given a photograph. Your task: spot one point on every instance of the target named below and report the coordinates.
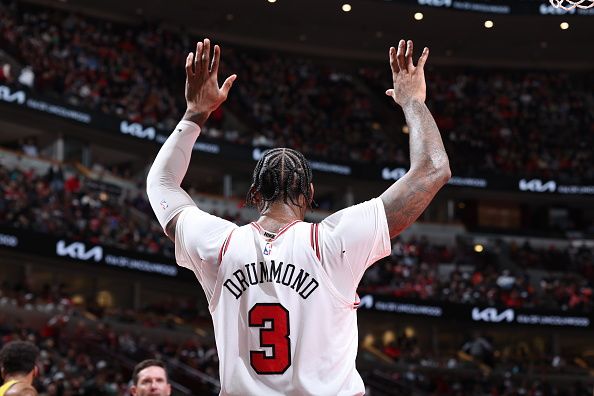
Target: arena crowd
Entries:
(496, 121)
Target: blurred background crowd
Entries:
(499, 121)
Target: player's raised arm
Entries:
(203, 96)
(407, 198)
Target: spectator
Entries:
(29, 147)
(480, 349)
(150, 378)
(6, 73)
(27, 77)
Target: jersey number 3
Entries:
(275, 337)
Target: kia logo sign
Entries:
(9, 240)
(393, 174)
(436, 3)
(366, 301)
(137, 130)
(12, 97)
(537, 185)
(492, 315)
(78, 251)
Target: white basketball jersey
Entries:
(284, 305)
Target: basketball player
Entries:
(282, 292)
(149, 378)
(18, 367)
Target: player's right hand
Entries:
(203, 94)
(409, 80)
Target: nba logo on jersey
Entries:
(267, 249)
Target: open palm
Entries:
(203, 94)
(408, 79)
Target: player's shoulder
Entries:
(195, 214)
(240, 231)
(193, 211)
(355, 212)
(21, 389)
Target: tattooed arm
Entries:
(405, 200)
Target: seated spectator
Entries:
(29, 147)
(149, 378)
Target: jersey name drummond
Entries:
(284, 274)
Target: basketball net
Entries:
(569, 5)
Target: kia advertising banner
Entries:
(24, 98)
(500, 7)
(475, 313)
(86, 252)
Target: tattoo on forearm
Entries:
(405, 202)
(426, 146)
(406, 199)
(198, 118)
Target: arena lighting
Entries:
(272, 1)
(489, 24)
(564, 25)
(346, 7)
(409, 331)
(418, 16)
(479, 248)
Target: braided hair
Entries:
(281, 173)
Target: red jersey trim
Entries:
(314, 239)
(357, 302)
(257, 226)
(285, 228)
(225, 246)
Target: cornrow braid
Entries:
(281, 173)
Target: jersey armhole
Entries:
(315, 245)
(225, 246)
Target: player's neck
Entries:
(23, 378)
(279, 214)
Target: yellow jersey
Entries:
(4, 388)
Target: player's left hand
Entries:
(203, 94)
(408, 79)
